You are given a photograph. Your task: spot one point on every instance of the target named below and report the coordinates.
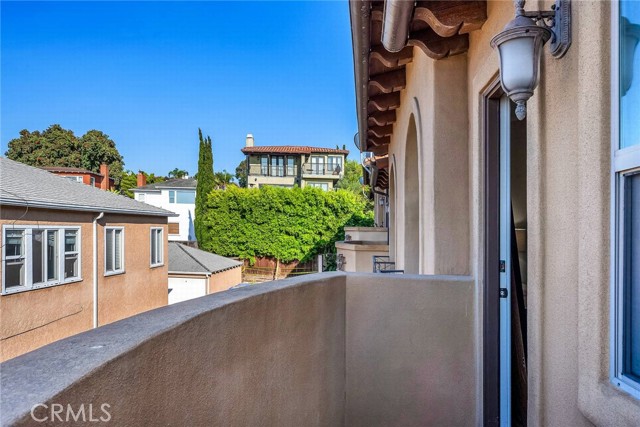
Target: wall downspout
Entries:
(95, 269)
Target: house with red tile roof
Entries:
(293, 165)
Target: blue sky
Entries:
(149, 74)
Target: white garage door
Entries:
(182, 289)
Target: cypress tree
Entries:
(205, 184)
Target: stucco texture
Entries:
(34, 318)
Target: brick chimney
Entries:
(249, 140)
(104, 171)
(142, 180)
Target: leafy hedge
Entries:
(286, 224)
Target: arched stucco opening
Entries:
(392, 213)
(411, 202)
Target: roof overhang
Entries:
(439, 28)
(82, 208)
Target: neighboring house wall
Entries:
(33, 318)
(568, 183)
(186, 211)
(183, 286)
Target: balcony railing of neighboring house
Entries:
(321, 169)
(308, 351)
(272, 170)
(383, 264)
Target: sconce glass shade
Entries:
(520, 46)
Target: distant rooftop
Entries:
(185, 259)
(170, 183)
(22, 185)
(68, 170)
(291, 149)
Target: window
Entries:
(277, 165)
(157, 244)
(625, 366)
(141, 197)
(172, 196)
(186, 197)
(317, 165)
(114, 250)
(74, 178)
(291, 166)
(264, 165)
(35, 257)
(335, 164)
(92, 181)
(322, 185)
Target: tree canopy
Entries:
(57, 146)
(241, 174)
(351, 179)
(206, 181)
(283, 223)
(178, 173)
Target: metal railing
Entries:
(270, 170)
(383, 264)
(321, 169)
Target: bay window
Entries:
(35, 257)
(625, 167)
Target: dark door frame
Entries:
(491, 305)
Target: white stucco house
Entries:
(175, 195)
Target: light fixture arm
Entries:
(557, 20)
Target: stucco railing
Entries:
(328, 349)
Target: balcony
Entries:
(329, 349)
(275, 171)
(315, 170)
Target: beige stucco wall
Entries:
(225, 279)
(568, 157)
(358, 256)
(34, 318)
(410, 352)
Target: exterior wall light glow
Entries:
(520, 47)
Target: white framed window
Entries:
(172, 196)
(141, 197)
(92, 181)
(625, 203)
(334, 164)
(321, 185)
(113, 250)
(157, 245)
(39, 256)
(75, 178)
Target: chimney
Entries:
(104, 171)
(142, 180)
(249, 140)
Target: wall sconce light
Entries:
(520, 47)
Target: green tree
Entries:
(57, 146)
(241, 174)
(178, 173)
(351, 179)
(206, 182)
(96, 148)
(130, 181)
(286, 224)
(222, 179)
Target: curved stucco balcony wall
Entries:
(328, 349)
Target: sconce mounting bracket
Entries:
(558, 20)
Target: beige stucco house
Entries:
(292, 165)
(73, 257)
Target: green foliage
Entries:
(206, 182)
(287, 224)
(178, 173)
(130, 181)
(57, 146)
(96, 148)
(222, 179)
(241, 174)
(350, 181)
